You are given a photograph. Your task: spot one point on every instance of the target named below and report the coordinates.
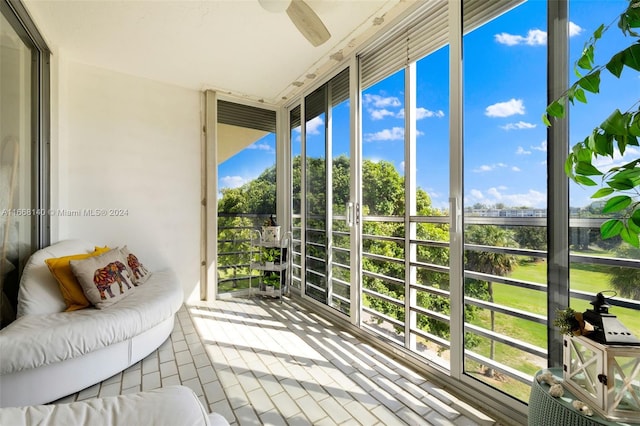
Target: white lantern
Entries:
(603, 367)
(605, 377)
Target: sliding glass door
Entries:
(463, 228)
(24, 159)
(321, 212)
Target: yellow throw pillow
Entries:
(69, 286)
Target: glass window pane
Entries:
(246, 186)
(594, 267)
(17, 199)
(505, 182)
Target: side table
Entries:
(545, 410)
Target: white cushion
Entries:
(104, 279)
(35, 340)
(173, 405)
(138, 273)
(39, 292)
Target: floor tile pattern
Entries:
(262, 361)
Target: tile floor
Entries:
(259, 361)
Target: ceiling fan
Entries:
(302, 16)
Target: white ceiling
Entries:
(233, 46)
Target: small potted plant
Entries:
(269, 256)
(571, 322)
(272, 283)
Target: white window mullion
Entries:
(456, 249)
(355, 176)
(329, 191)
(410, 104)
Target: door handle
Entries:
(349, 218)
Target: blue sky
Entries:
(504, 97)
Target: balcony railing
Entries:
(389, 323)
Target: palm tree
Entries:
(627, 280)
(489, 262)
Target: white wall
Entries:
(123, 142)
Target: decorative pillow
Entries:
(138, 273)
(104, 278)
(67, 282)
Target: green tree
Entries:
(488, 262)
(627, 280)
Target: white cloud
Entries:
(534, 37)
(426, 113)
(489, 167)
(574, 29)
(505, 109)
(531, 198)
(519, 126)
(476, 194)
(378, 101)
(378, 106)
(402, 165)
(423, 113)
(522, 151)
(313, 125)
(516, 169)
(260, 146)
(542, 147)
(484, 168)
(379, 114)
(232, 181)
(393, 134)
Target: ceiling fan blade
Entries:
(307, 22)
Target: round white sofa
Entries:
(169, 406)
(46, 353)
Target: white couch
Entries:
(170, 406)
(46, 354)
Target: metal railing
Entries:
(525, 347)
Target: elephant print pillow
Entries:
(104, 279)
(138, 273)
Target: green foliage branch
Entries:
(613, 135)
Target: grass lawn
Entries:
(584, 277)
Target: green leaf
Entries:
(634, 220)
(583, 180)
(616, 64)
(597, 34)
(611, 228)
(603, 145)
(621, 185)
(617, 203)
(630, 174)
(579, 95)
(634, 127)
(556, 108)
(630, 19)
(590, 82)
(568, 166)
(545, 120)
(586, 59)
(602, 192)
(587, 169)
(622, 143)
(630, 237)
(631, 56)
(583, 155)
(616, 123)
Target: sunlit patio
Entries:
(259, 361)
